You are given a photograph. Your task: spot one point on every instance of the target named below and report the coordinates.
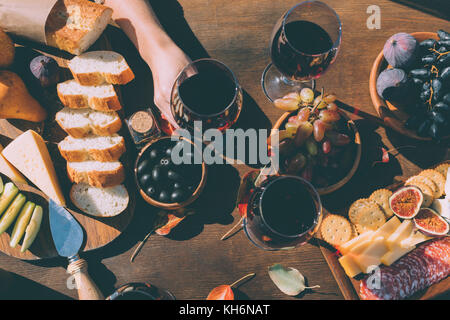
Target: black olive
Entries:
(165, 162)
(177, 185)
(145, 180)
(435, 131)
(424, 127)
(177, 196)
(428, 59)
(191, 189)
(153, 154)
(436, 84)
(150, 191)
(172, 175)
(169, 152)
(442, 108)
(425, 95)
(443, 35)
(445, 74)
(156, 173)
(427, 44)
(142, 166)
(413, 122)
(423, 74)
(164, 196)
(437, 117)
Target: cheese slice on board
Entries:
(401, 233)
(388, 228)
(349, 265)
(349, 245)
(29, 154)
(8, 170)
(414, 239)
(395, 254)
(360, 248)
(371, 257)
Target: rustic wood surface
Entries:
(192, 260)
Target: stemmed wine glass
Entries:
(304, 43)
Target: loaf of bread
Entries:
(96, 148)
(96, 173)
(74, 25)
(98, 67)
(80, 123)
(99, 202)
(102, 97)
(7, 50)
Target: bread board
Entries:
(98, 231)
(350, 286)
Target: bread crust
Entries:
(82, 132)
(99, 179)
(80, 101)
(103, 155)
(99, 78)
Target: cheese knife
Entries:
(68, 238)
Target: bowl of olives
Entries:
(410, 84)
(164, 184)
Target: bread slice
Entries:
(80, 123)
(97, 67)
(96, 173)
(95, 148)
(74, 25)
(99, 202)
(101, 98)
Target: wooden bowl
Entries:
(163, 205)
(387, 111)
(326, 190)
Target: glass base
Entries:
(275, 85)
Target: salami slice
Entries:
(421, 268)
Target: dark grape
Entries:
(443, 35)
(426, 86)
(446, 99)
(428, 59)
(437, 117)
(427, 44)
(424, 128)
(442, 108)
(445, 74)
(425, 95)
(444, 61)
(436, 84)
(444, 43)
(435, 131)
(417, 83)
(423, 74)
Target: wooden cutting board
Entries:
(98, 231)
(350, 286)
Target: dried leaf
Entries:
(289, 280)
(223, 292)
(172, 222)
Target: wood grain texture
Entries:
(193, 260)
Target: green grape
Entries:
(286, 104)
(307, 95)
(311, 146)
(304, 131)
(303, 114)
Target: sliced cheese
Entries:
(349, 245)
(442, 206)
(395, 254)
(414, 239)
(8, 170)
(349, 265)
(388, 228)
(29, 154)
(360, 248)
(401, 233)
(371, 257)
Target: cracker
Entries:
(370, 217)
(443, 169)
(336, 230)
(381, 197)
(428, 195)
(437, 178)
(425, 180)
(357, 205)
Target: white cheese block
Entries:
(442, 206)
(8, 170)
(29, 154)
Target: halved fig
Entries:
(431, 223)
(406, 202)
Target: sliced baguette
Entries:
(100, 98)
(99, 202)
(81, 123)
(74, 25)
(94, 148)
(96, 173)
(97, 67)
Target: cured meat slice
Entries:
(421, 268)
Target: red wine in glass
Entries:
(302, 51)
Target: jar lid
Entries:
(141, 121)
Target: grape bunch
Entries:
(313, 139)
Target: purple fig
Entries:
(400, 50)
(46, 70)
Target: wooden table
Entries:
(193, 260)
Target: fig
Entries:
(400, 50)
(392, 84)
(431, 223)
(46, 70)
(406, 202)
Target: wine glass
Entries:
(206, 90)
(304, 43)
(282, 213)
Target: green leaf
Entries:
(289, 280)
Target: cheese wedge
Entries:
(349, 245)
(395, 254)
(388, 228)
(29, 154)
(349, 265)
(442, 206)
(8, 169)
(401, 233)
(371, 257)
(414, 239)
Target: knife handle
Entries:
(87, 290)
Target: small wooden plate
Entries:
(393, 116)
(357, 140)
